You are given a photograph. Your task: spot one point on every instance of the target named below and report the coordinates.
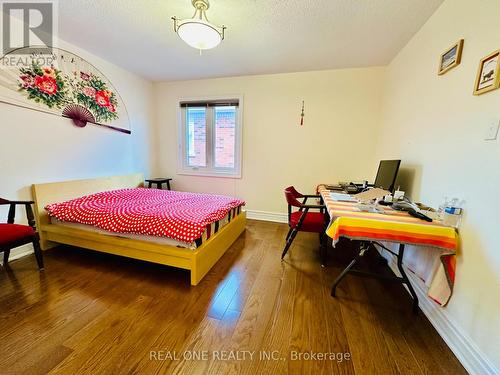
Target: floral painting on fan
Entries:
(62, 84)
(43, 85)
(91, 92)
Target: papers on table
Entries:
(363, 207)
(370, 194)
(365, 196)
(341, 197)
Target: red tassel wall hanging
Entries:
(302, 114)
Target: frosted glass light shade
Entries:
(199, 34)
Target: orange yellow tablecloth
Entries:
(398, 227)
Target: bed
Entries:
(198, 258)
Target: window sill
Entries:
(209, 174)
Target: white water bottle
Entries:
(452, 215)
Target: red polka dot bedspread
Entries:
(178, 215)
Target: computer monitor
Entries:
(386, 174)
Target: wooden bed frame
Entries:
(198, 261)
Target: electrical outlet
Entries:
(492, 130)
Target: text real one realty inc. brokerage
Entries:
(245, 355)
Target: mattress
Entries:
(181, 216)
(214, 227)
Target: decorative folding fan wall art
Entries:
(63, 84)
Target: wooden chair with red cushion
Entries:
(303, 220)
(15, 235)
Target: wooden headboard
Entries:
(44, 194)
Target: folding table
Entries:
(391, 226)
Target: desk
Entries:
(396, 227)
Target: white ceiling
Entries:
(263, 36)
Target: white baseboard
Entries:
(460, 343)
(20, 252)
(267, 216)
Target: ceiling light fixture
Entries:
(197, 31)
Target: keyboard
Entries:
(334, 187)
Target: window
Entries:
(210, 141)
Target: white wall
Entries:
(437, 126)
(36, 147)
(336, 142)
(433, 123)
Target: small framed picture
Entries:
(451, 58)
(487, 75)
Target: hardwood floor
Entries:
(96, 313)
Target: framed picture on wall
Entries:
(451, 58)
(487, 78)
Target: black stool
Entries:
(159, 182)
